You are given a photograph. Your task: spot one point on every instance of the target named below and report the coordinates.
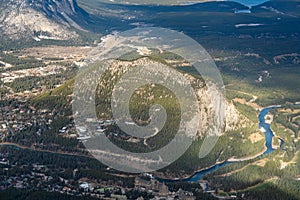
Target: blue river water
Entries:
(268, 137)
(268, 132)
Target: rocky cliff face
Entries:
(40, 19)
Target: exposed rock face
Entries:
(39, 19)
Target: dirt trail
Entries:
(43, 150)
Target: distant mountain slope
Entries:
(173, 2)
(215, 6)
(40, 19)
(209, 6)
(49, 20)
(281, 7)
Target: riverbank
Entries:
(247, 158)
(268, 148)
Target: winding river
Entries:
(263, 126)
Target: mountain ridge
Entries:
(41, 19)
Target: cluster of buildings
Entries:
(35, 176)
(100, 127)
(19, 116)
(160, 190)
(10, 76)
(42, 177)
(38, 180)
